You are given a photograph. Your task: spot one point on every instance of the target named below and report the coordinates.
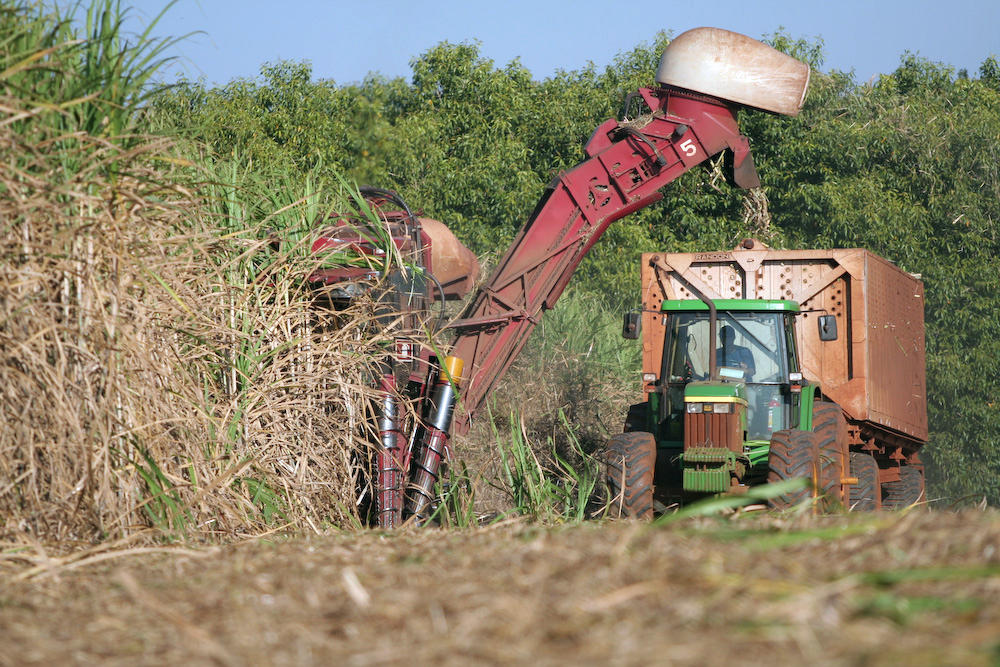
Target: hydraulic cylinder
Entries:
(434, 446)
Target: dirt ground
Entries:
(917, 588)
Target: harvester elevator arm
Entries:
(625, 167)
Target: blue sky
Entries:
(346, 40)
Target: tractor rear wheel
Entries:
(793, 454)
(830, 429)
(866, 495)
(907, 491)
(630, 459)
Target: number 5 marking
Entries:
(689, 148)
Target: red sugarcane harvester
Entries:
(705, 76)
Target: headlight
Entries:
(719, 408)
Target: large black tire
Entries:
(865, 496)
(630, 459)
(793, 454)
(830, 429)
(907, 491)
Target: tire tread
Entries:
(793, 454)
(630, 460)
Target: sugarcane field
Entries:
(684, 352)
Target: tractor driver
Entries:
(732, 355)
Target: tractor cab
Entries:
(754, 347)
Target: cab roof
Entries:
(770, 305)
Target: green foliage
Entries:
(905, 165)
(96, 80)
(989, 72)
(265, 501)
(552, 493)
(163, 506)
(456, 508)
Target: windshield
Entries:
(751, 343)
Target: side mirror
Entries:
(632, 325)
(827, 327)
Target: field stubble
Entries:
(911, 588)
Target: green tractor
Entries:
(729, 415)
(728, 403)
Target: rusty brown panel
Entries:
(725, 279)
(879, 311)
(850, 390)
(898, 394)
(717, 274)
(833, 363)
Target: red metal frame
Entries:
(626, 165)
(346, 234)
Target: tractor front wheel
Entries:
(629, 460)
(793, 455)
